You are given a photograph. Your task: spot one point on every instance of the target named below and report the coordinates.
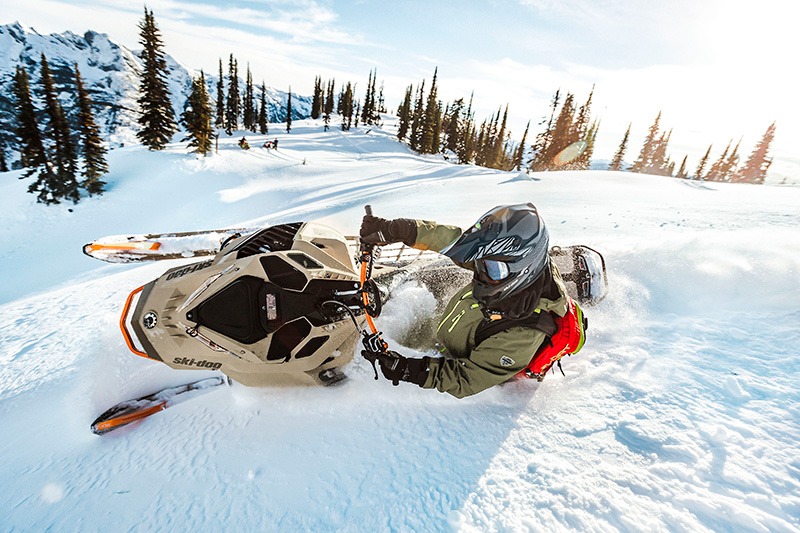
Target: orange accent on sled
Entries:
(148, 246)
(365, 297)
(113, 423)
(123, 324)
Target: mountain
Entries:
(111, 74)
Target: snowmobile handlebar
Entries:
(372, 340)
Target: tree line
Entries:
(48, 146)
(565, 141)
(653, 159)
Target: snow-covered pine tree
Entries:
(619, 155)
(32, 152)
(755, 168)
(94, 152)
(156, 117)
(197, 117)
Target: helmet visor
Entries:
(495, 270)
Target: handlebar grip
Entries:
(368, 209)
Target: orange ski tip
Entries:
(99, 247)
(112, 423)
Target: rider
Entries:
(513, 278)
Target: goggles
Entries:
(495, 270)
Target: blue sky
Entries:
(717, 69)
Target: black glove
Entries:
(397, 368)
(377, 230)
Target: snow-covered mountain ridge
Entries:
(111, 74)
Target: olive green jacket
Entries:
(467, 369)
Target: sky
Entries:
(717, 70)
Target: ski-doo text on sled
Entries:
(273, 307)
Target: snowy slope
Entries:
(681, 413)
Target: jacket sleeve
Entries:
(433, 236)
(496, 360)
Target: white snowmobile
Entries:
(275, 306)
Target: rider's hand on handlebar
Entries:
(380, 231)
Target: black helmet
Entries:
(507, 249)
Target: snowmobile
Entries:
(281, 305)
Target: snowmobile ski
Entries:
(130, 411)
(160, 246)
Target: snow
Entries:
(680, 413)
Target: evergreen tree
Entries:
(249, 114)
(289, 112)
(701, 167)
(717, 170)
(3, 164)
(157, 117)
(755, 168)
(317, 101)
(329, 99)
(32, 152)
(682, 173)
(645, 159)
(65, 184)
(561, 136)
(453, 128)
(197, 117)
(405, 115)
(659, 161)
(429, 144)
(366, 112)
(94, 153)
(498, 150)
(466, 146)
(616, 161)
(416, 121)
(381, 102)
(234, 102)
(219, 123)
(519, 154)
(543, 140)
(263, 118)
(346, 106)
(584, 160)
